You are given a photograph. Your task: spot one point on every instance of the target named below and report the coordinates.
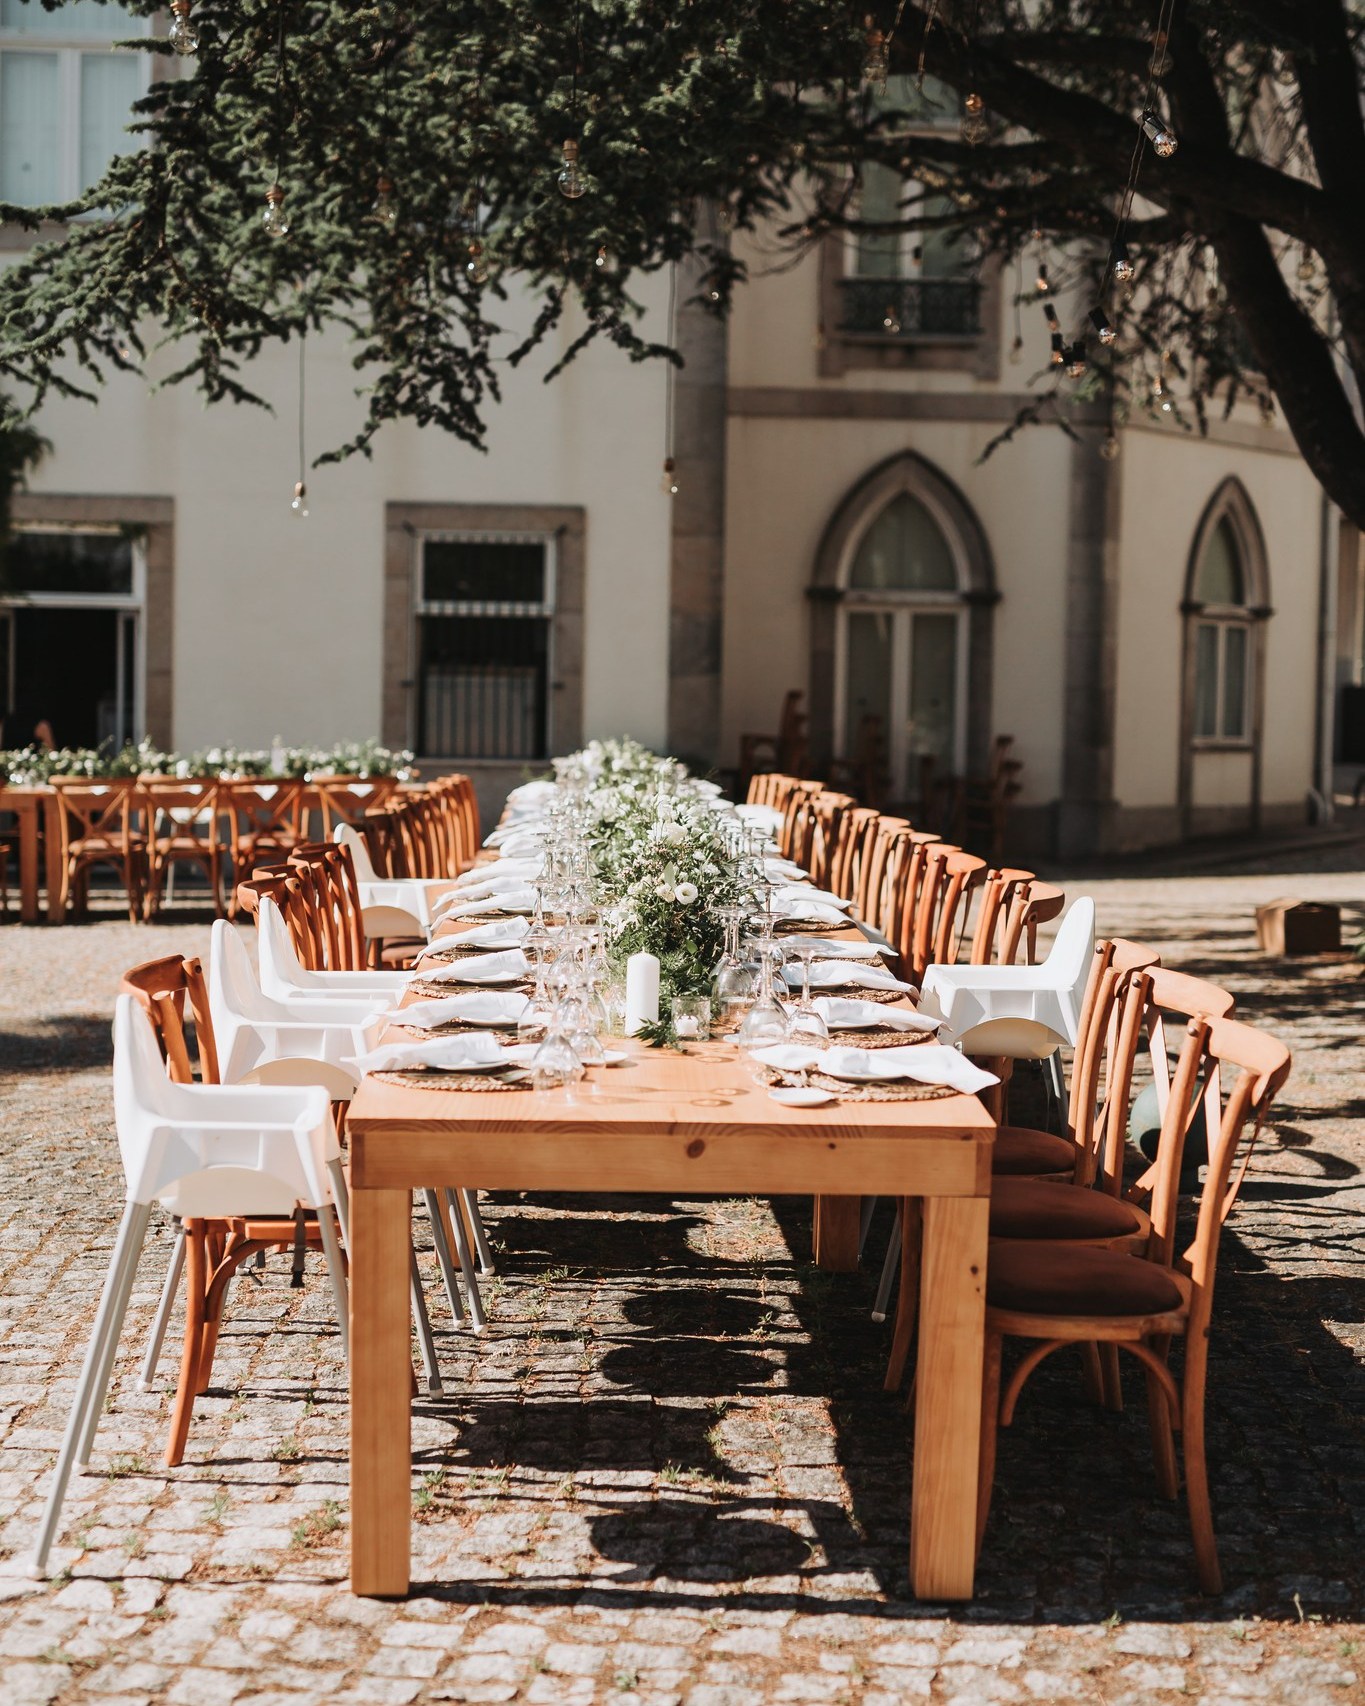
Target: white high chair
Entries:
(200, 1150)
(283, 978)
(389, 906)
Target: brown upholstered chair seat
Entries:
(1040, 1208)
(1027, 1278)
(1022, 1152)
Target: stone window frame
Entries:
(910, 473)
(403, 524)
(1230, 502)
(155, 517)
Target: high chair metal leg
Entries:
(470, 1199)
(889, 1267)
(443, 1256)
(163, 1313)
(336, 1274)
(869, 1208)
(95, 1371)
(478, 1319)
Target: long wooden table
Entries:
(681, 1125)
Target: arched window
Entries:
(1224, 602)
(905, 577)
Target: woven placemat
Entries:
(846, 1092)
(885, 1036)
(434, 988)
(453, 1027)
(418, 1078)
(445, 955)
(807, 927)
(860, 992)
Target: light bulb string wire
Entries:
(303, 459)
(669, 366)
(279, 100)
(1159, 39)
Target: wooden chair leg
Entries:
(1197, 1473)
(990, 1427)
(1112, 1374)
(196, 1285)
(1163, 1440)
(907, 1299)
(225, 1255)
(1091, 1372)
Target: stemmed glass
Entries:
(732, 983)
(807, 1021)
(766, 1021)
(555, 1063)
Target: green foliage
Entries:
(31, 764)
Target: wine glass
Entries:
(807, 1021)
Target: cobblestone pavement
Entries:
(667, 1473)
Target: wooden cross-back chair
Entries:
(182, 829)
(265, 824)
(282, 885)
(947, 881)
(327, 877)
(819, 830)
(207, 1251)
(1052, 1295)
(794, 820)
(872, 868)
(100, 823)
(857, 830)
(998, 928)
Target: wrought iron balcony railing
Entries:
(910, 310)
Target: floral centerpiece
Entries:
(29, 765)
(660, 854)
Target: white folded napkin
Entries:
(833, 950)
(502, 900)
(761, 817)
(843, 1013)
(495, 883)
(793, 892)
(784, 871)
(509, 873)
(469, 1050)
(476, 1007)
(845, 974)
(499, 933)
(517, 840)
(927, 1063)
(478, 968)
(702, 786)
(540, 790)
(809, 912)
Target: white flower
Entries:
(674, 834)
(665, 890)
(686, 893)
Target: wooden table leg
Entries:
(837, 1233)
(381, 1380)
(948, 1397)
(56, 876)
(29, 813)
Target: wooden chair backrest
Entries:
(873, 864)
(281, 883)
(827, 812)
(1231, 1072)
(905, 878)
(98, 813)
(268, 811)
(163, 989)
(857, 829)
(331, 890)
(1001, 904)
(945, 895)
(346, 799)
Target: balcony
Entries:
(910, 310)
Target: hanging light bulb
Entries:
(974, 126)
(1057, 356)
(820, 340)
(877, 64)
(1164, 141)
(476, 267)
(1109, 446)
(1103, 330)
(570, 179)
(1042, 284)
(1035, 234)
(300, 503)
(1124, 270)
(385, 207)
(1307, 268)
(1016, 354)
(275, 221)
(669, 484)
(1077, 362)
(891, 320)
(601, 258)
(183, 35)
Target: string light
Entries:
(300, 503)
(1041, 284)
(476, 267)
(183, 34)
(890, 321)
(1077, 362)
(1164, 142)
(1016, 354)
(571, 183)
(974, 126)
(877, 64)
(1058, 354)
(1124, 270)
(669, 483)
(275, 221)
(1109, 446)
(601, 258)
(1104, 331)
(1307, 268)
(385, 207)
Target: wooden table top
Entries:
(664, 1120)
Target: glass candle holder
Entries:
(692, 1018)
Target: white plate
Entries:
(871, 1075)
(794, 1096)
(482, 1066)
(614, 1056)
(497, 981)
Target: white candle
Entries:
(686, 1025)
(642, 992)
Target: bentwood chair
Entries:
(261, 1157)
(182, 829)
(1053, 1294)
(100, 823)
(265, 822)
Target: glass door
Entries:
(903, 665)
